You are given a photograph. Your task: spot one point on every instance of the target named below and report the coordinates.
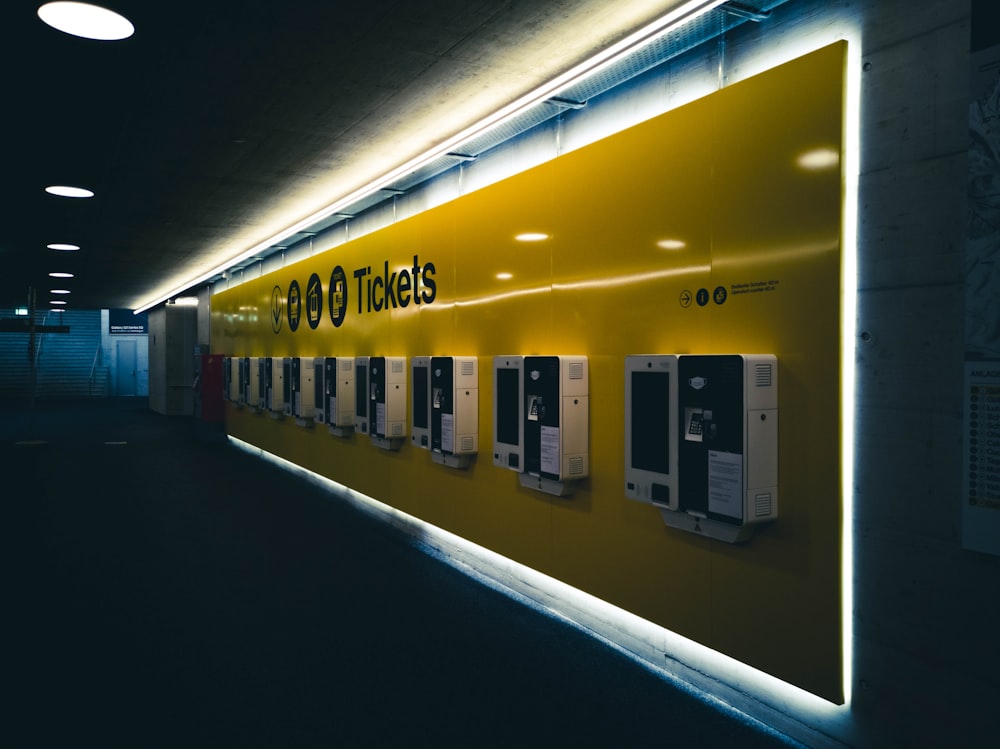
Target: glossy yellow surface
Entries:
(720, 178)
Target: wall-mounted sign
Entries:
(124, 322)
(981, 438)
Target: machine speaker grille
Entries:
(762, 505)
(576, 370)
(763, 375)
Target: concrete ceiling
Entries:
(219, 123)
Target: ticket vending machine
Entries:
(335, 394)
(727, 447)
(286, 385)
(253, 384)
(508, 426)
(257, 392)
(274, 382)
(420, 402)
(302, 391)
(715, 471)
(651, 429)
(231, 379)
(454, 405)
(362, 395)
(556, 416)
(319, 389)
(387, 406)
(243, 377)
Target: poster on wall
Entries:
(981, 435)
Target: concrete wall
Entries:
(926, 659)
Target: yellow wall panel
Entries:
(754, 268)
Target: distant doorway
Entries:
(125, 368)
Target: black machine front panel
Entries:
(541, 411)
(442, 396)
(710, 425)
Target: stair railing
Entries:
(39, 337)
(93, 369)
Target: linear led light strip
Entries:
(685, 12)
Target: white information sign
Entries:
(550, 450)
(725, 483)
(981, 459)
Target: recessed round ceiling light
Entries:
(57, 301)
(63, 247)
(531, 236)
(68, 191)
(57, 309)
(58, 291)
(86, 20)
(59, 274)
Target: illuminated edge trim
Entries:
(849, 341)
(686, 12)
